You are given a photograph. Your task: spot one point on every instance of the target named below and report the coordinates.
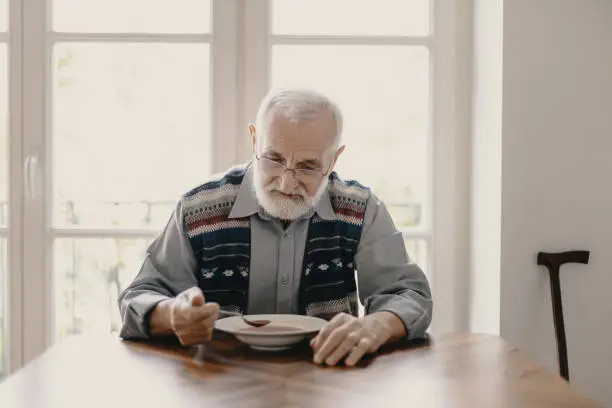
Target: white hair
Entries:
(298, 106)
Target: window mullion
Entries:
(224, 130)
(255, 72)
(351, 40)
(129, 37)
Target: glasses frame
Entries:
(296, 172)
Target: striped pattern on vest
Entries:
(328, 277)
(222, 246)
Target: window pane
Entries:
(384, 95)
(351, 17)
(131, 16)
(130, 131)
(3, 14)
(88, 276)
(3, 136)
(417, 252)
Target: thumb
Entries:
(195, 296)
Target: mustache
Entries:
(275, 188)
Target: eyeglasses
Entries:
(277, 167)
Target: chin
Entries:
(280, 206)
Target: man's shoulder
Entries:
(219, 186)
(232, 177)
(349, 188)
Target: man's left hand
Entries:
(352, 337)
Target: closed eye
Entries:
(306, 167)
(310, 165)
(275, 158)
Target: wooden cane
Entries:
(553, 262)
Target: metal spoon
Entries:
(254, 323)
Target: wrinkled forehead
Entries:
(308, 139)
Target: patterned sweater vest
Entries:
(222, 247)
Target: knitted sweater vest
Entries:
(222, 247)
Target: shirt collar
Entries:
(324, 207)
(246, 201)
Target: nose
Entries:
(288, 182)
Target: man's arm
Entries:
(388, 281)
(167, 270)
(395, 293)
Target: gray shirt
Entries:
(387, 280)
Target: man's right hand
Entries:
(191, 318)
(187, 316)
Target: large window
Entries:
(130, 112)
(116, 113)
(127, 104)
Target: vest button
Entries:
(284, 279)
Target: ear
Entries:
(338, 153)
(253, 134)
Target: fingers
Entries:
(192, 319)
(191, 331)
(207, 328)
(363, 346)
(195, 296)
(206, 311)
(197, 333)
(333, 340)
(344, 348)
(344, 337)
(337, 321)
(194, 306)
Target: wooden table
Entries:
(461, 370)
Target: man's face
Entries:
(293, 157)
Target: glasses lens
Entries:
(270, 165)
(273, 167)
(305, 173)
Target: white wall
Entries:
(557, 180)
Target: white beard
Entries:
(281, 207)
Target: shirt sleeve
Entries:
(167, 269)
(388, 280)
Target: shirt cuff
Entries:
(136, 315)
(415, 318)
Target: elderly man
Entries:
(283, 234)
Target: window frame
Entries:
(13, 232)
